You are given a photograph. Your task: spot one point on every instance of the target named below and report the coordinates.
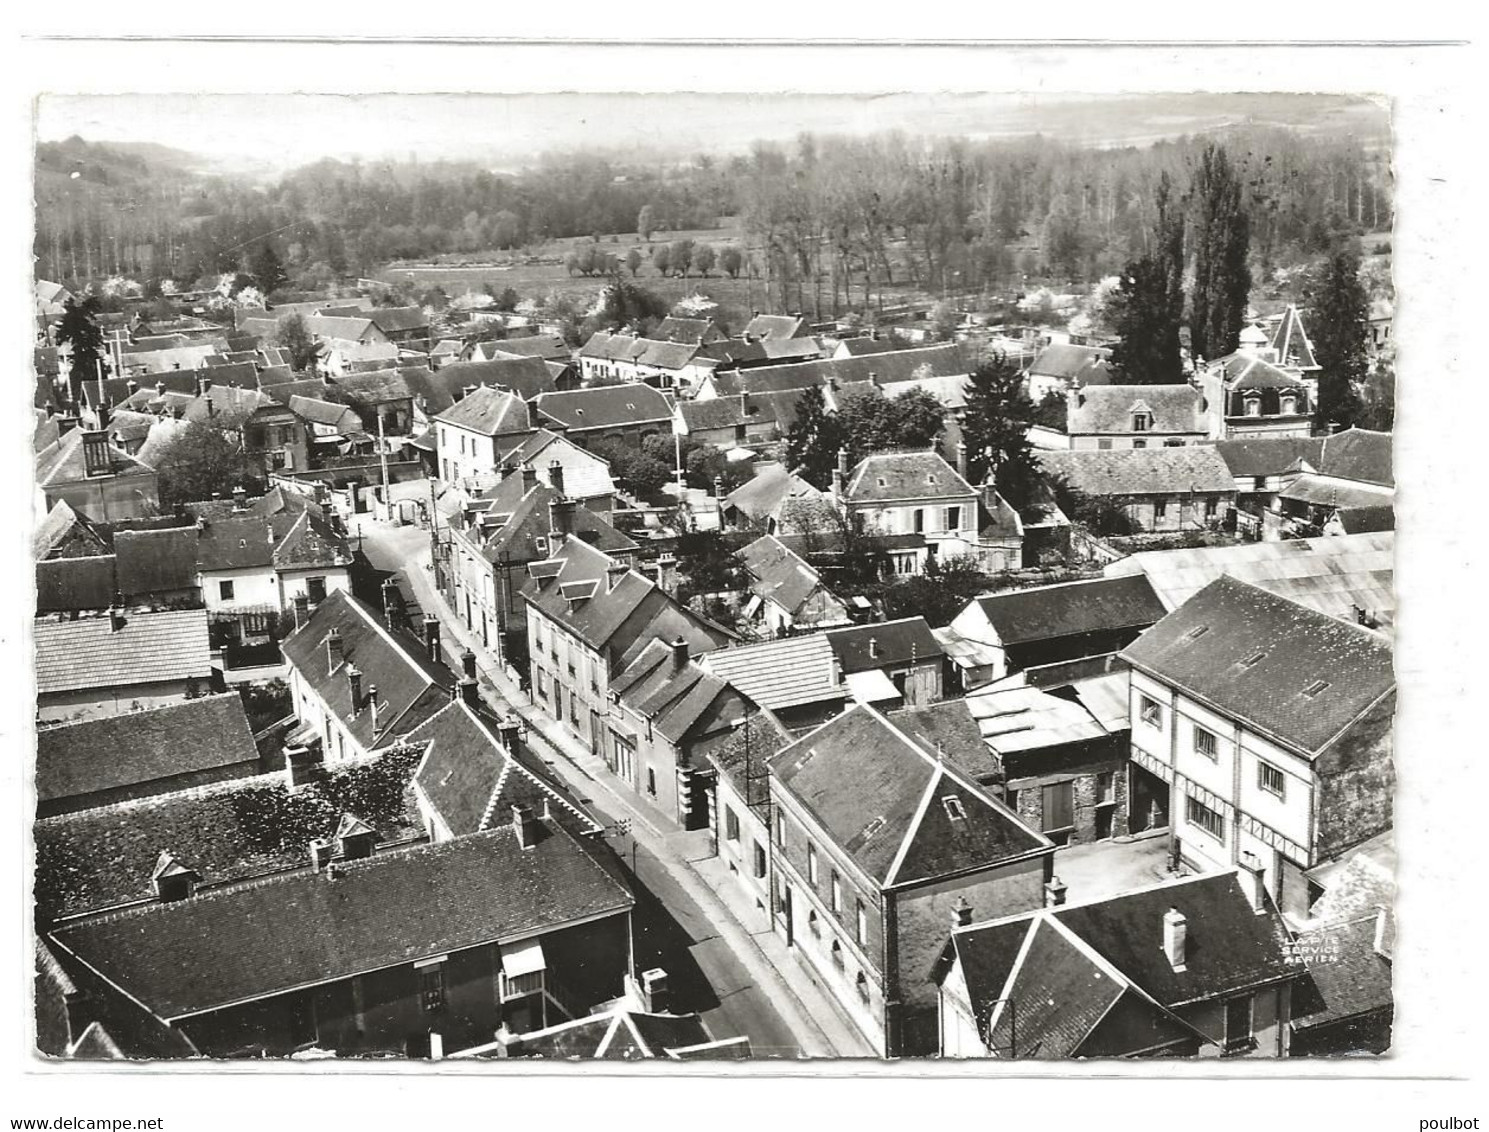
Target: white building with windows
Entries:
(1263, 729)
(472, 434)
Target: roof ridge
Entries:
(514, 761)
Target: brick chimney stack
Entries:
(525, 825)
(431, 637)
(1054, 892)
(1175, 938)
(334, 655)
(961, 913)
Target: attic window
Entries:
(883, 482)
(872, 828)
(1315, 688)
(954, 808)
(931, 479)
(1196, 634)
(1253, 660)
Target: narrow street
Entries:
(716, 965)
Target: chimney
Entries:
(133, 386)
(1175, 937)
(468, 692)
(873, 377)
(302, 610)
(961, 458)
(392, 606)
(160, 389)
(468, 664)
(654, 990)
(679, 654)
(509, 731)
(240, 498)
(556, 478)
(529, 478)
(116, 619)
(321, 850)
(299, 767)
(873, 648)
(372, 703)
(334, 655)
(354, 678)
(211, 407)
(840, 474)
(1253, 881)
(614, 573)
(560, 521)
(1054, 892)
(718, 488)
(525, 825)
(961, 913)
(103, 415)
(206, 384)
(173, 881)
(667, 573)
(431, 636)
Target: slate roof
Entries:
(155, 562)
(530, 520)
(949, 728)
(726, 412)
(393, 320)
(770, 487)
(337, 327)
(1045, 613)
(310, 387)
(141, 747)
(1367, 519)
(1106, 409)
(894, 477)
(1142, 471)
(1247, 371)
(378, 388)
(610, 347)
(65, 584)
(692, 330)
(776, 326)
(1322, 491)
(1259, 658)
(1332, 575)
(287, 540)
(922, 363)
(149, 648)
(525, 376)
(1269, 455)
(610, 406)
(780, 575)
(472, 781)
(278, 934)
(410, 686)
(860, 347)
(315, 411)
(1358, 454)
(883, 799)
(488, 411)
(1290, 341)
(1082, 363)
(618, 1035)
(674, 699)
(1068, 966)
(586, 476)
(63, 462)
(547, 347)
(781, 674)
(883, 644)
(1350, 975)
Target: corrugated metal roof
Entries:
(779, 674)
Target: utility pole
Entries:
(382, 451)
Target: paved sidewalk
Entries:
(813, 1015)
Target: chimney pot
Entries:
(431, 637)
(556, 479)
(654, 990)
(961, 913)
(525, 825)
(468, 664)
(334, 654)
(1054, 893)
(679, 654)
(302, 610)
(1175, 938)
(354, 679)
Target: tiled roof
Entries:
(949, 728)
(147, 648)
(63, 463)
(860, 347)
(1358, 454)
(548, 347)
(1295, 674)
(275, 935)
(586, 476)
(693, 330)
(666, 355)
(393, 320)
(611, 406)
(779, 574)
(781, 674)
(516, 540)
(776, 326)
(489, 412)
(1048, 612)
(320, 412)
(140, 747)
(411, 687)
(1323, 491)
(1269, 455)
(379, 388)
(472, 781)
(883, 643)
(1142, 471)
(525, 376)
(1080, 363)
(902, 476)
(1333, 575)
(901, 813)
(771, 486)
(920, 364)
(64, 527)
(1104, 409)
(345, 329)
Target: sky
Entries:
(506, 131)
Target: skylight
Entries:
(1315, 688)
(1254, 659)
(954, 808)
(873, 827)
(1196, 634)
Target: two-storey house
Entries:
(472, 434)
(1268, 724)
(910, 493)
(874, 839)
(1107, 417)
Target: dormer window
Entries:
(1289, 403)
(1141, 422)
(1253, 406)
(954, 808)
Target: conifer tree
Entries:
(1340, 323)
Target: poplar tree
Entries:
(1222, 239)
(814, 439)
(1340, 322)
(1148, 306)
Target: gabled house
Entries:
(589, 616)
(1253, 395)
(1060, 366)
(359, 684)
(693, 331)
(403, 325)
(910, 493)
(96, 479)
(889, 662)
(776, 326)
(1264, 727)
(1202, 966)
(1351, 485)
(786, 594)
(874, 839)
(768, 501)
(666, 714)
(1048, 627)
(471, 434)
(581, 474)
(727, 422)
(383, 400)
